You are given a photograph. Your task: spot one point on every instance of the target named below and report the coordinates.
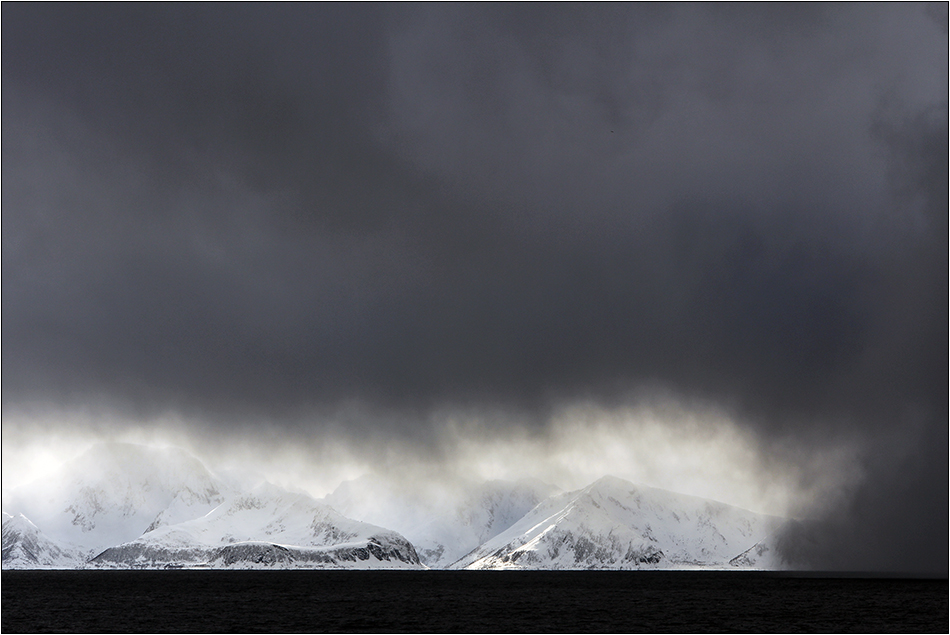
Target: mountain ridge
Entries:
(616, 524)
(126, 506)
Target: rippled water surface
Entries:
(470, 601)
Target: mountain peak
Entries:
(614, 524)
(127, 505)
(610, 481)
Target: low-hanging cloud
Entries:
(370, 230)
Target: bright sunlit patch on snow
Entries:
(34, 447)
(26, 462)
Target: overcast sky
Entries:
(700, 246)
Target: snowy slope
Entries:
(122, 505)
(783, 548)
(443, 523)
(266, 527)
(614, 524)
(762, 555)
(26, 547)
(115, 492)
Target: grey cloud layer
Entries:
(251, 214)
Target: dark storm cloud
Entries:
(253, 214)
(898, 517)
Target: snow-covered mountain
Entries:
(614, 524)
(26, 547)
(267, 527)
(115, 492)
(443, 523)
(124, 505)
(130, 506)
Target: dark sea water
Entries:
(465, 601)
